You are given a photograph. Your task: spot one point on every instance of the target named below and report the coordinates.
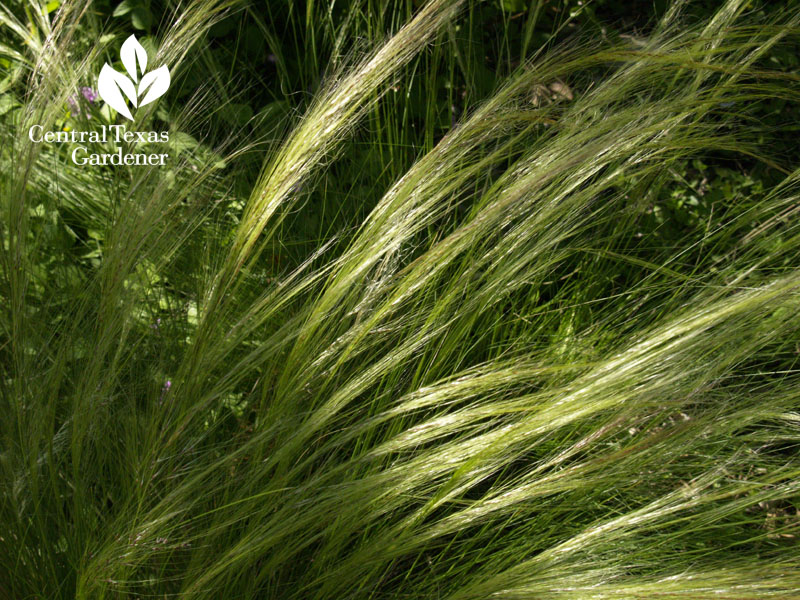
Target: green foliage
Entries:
(451, 300)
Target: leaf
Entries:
(181, 141)
(157, 81)
(123, 8)
(131, 53)
(273, 111)
(7, 102)
(514, 6)
(236, 114)
(141, 18)
(109, 85)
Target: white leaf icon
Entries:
(158, 82)
(109, 85)
(130, 53)
(112, 84)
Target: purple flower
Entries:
(88, 93)
(164, 390)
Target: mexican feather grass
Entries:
(491, 387)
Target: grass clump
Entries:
(508, 372)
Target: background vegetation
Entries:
(434, 300)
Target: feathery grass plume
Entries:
(495, 386)
(336, 110)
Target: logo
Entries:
(139, 87)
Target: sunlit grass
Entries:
(493, 386)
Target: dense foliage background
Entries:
(260, 65)
(433, 300)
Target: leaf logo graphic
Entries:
(111, 85)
